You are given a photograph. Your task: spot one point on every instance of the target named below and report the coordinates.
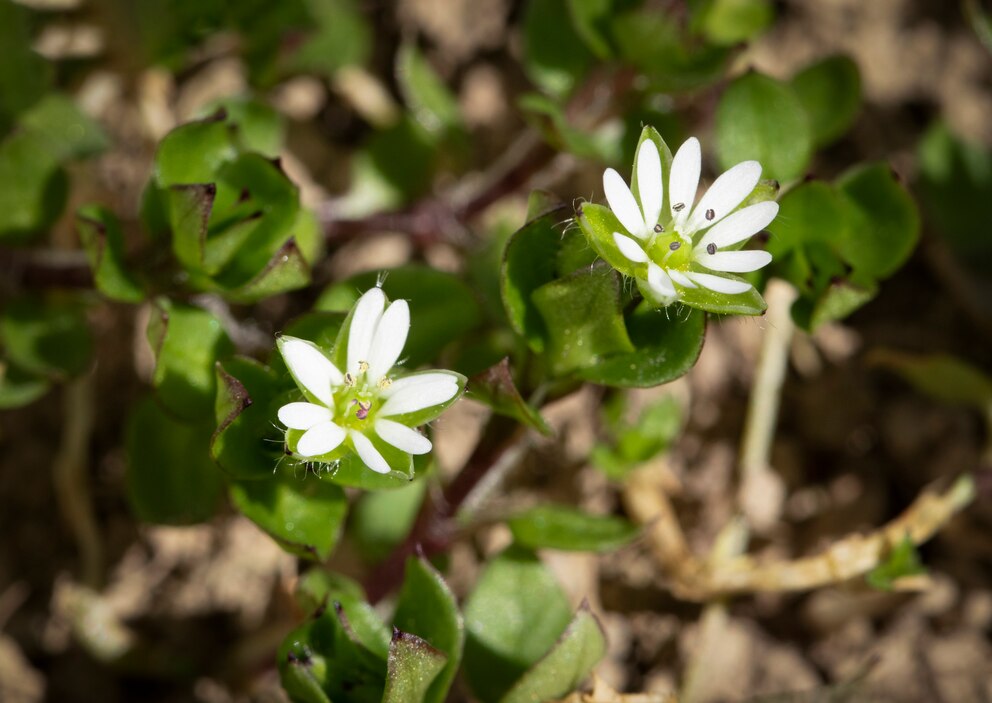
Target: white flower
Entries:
(679, 248)
(363, 406)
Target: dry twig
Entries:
(700, 579)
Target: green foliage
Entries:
(246, 445)
(515, 615)
(46, 337)
(955, 182)
(302, 513)
(413, 666)
(561, 527)
(381, 520)
(830, 92)
(24, 75)
(495, 387)
(555, 58)
(170, 477)
(33, 183)
(903, 560)
(835, 242)
(187, 342)
(729, 22)
(319, 589)
(101, 236)
(234, 218)
(634, 443)
(761, 118)
(427, 608)
(942, 377)
(429, 99)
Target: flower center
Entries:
(670, 251)
(356, 401)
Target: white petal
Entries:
(684, 179)
(402, 437)
(320, 439)
(303, 416)
(719, 283)
(310, 367)
(368, 310)
(418, 379)
(734, 261)
(649, 182)
(727, 192)
(367, 452)
(681, 278)
(419, 397)
(630, 248)
(390, 336)
(741, 225)
(622, 203)
(659, 281)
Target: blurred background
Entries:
(415, 130)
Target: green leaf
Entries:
(761, 118)
(839, 299)
(303, 514)
(529, 262)
(955, 180)
(427, 608)
(47, 337)
(170, 477)
(287, 270)
(246, 444)
(324, 656)
(885, 225)
(193, 153)
(319, 589)
(666, 345)
(351, 472)
(18, 388)
(429, 99)
(381, 520)
(548, 116)
(942, 377)
(187, 342)
(635, 443)
(566, 666)
(730, 22)
(443, 308)
(902, 561)
(582, 316)
(495, 387)
(33, 185)
(555, 58)
(655, 43)
(260, 127)
(24, 75)
(830, 92)
(342, 37)
(413, 666)
(512, 618)
(101, 235)
(561, 527)
(591, 19)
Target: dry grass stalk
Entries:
(700, 579)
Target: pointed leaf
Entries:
(562, 527)
(495, 387)
(413, 666)
(101, 235)
(246, 444)
(427, 608)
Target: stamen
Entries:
(363, 410)
(363, 366)
(678, 207)
(711, 248)
(674, 246)
(658, 229)
(710, 214)
(349, 380)
(385, 382)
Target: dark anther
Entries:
(674, 246)
(711, 248)
(710, 214)
(678, 207)
(659, 229)
(363, 410)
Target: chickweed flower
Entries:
(677, 249)
(366, 406)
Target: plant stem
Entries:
(761, 493)
(434, 530)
